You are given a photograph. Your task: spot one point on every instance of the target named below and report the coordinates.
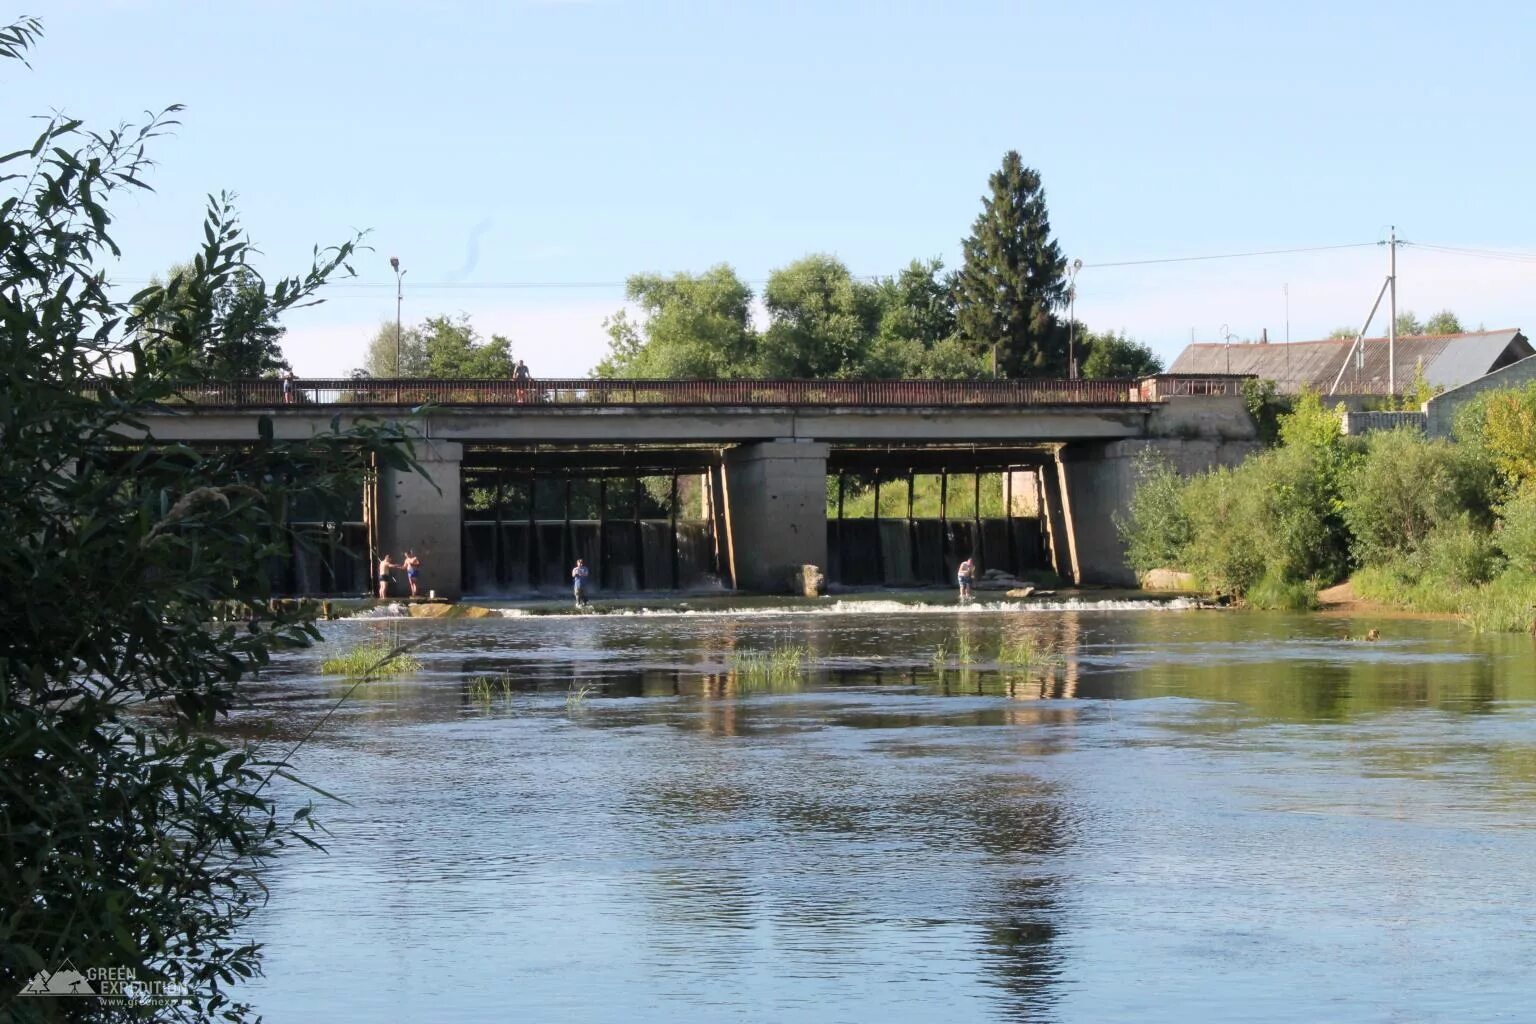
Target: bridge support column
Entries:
(778, 510)
(426, 516)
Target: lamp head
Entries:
(394, 263)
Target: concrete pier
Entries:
(424, 514)
(776, 493)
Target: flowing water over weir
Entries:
(852, 809)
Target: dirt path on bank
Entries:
(1342, 600)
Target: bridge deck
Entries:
(581, 392)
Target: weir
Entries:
(524, 479)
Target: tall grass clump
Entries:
(769, 669)
(378, 657)
(1028, 653)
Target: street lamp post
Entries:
(1072, 319)
(394, 263)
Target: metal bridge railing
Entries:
(581, 392)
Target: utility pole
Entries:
(1392, 315)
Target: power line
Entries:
(1233, 255)
(368, 286)
(1503, 255)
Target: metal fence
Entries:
(270, 393)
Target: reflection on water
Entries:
(1159, 816)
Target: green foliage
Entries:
(1405, 486)
(1262, 400)
(375, 658)
(1272, 593)
(958, 503)
(1311, 424)
(1156, 529)
(204, 327)
(1276, 517)
(1503, 423)
(1516, 536)
(132, 838)
(1115, 355)
(1505, 605)
(823, 322)
(1011, 284)
(1408, 325)
(443, 347)
(1418, 391)
(1459, 553)
(779, 668)
(693, 326)
(1444, 322)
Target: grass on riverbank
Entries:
(1505, 604)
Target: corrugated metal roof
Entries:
(1449, 360)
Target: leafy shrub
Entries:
(1405, 486)
(1506, 605)
(1458, 554)
(1156, 528)
(1516, 536)
(1273, 594)
(1502, 423)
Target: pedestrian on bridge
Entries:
(579, 582)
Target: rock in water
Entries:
(808, 581)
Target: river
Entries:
(1150, 815)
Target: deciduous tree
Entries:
(1115, 355)
(691, 325)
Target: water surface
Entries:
(1164, 816)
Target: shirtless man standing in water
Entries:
(384, 566)
(412, 567)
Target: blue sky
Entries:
(580, 142)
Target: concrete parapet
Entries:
(776, 495)
(1223, 417)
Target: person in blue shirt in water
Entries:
(579, 582)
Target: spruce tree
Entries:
(1012, 282)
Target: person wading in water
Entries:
(579, 582)
(412, 567)
(384, 566)
(963, 576)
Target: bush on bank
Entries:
(1429, 524)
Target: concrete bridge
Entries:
(765, 447)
